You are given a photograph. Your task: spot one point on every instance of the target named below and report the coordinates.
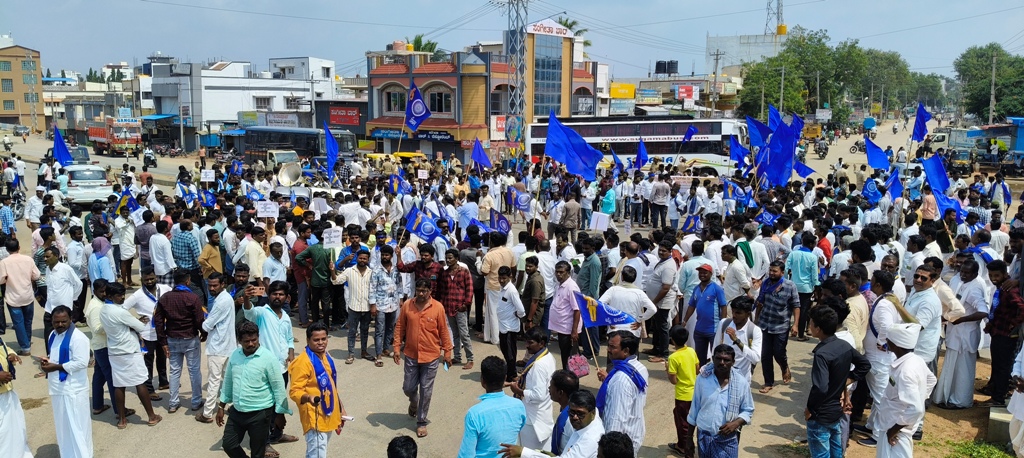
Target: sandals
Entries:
(421, 431)
(156, 419)
(656, 359)
(766, 389)
(350, 360)
(104, 409)
(122, 425)
(378, 363)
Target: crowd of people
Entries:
(718, 276)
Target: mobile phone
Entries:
(259, 291)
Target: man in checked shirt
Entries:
(456, 296)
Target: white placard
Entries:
(422, 174)
(599, 221)
(207, 176)
(332, 238)
(319, 206)
(267, 209)
(137, 216)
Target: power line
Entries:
(663, 41)
(694, 18)
(939, 23)
(646, 40)
(306, 18)
(618, 61)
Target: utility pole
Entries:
(782, 86)
(762, 101)
(881, 106)
(992, 91)
(817, 88)
(714, 86)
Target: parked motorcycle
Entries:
(859, 146)
(18, 204)
(175, 152)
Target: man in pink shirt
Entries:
(929, 209)
(19, 273)
(564, 315)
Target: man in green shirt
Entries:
(254, 387)
(321, 261)
(589, 281)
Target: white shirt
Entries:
(62, 286)
(77, 381)
(737, 278)
(911, 262)
(537, 398)
(161, 255)
(624, 405)
(581, 444)
(121, 328)
(546, 267)
(357, 291)
(145, 306)
(883, 317)
(965, 337)
(220, 326)
(926, 307)
(510, 309)
(632, 301)
(903, 401)
(1000, 240)
(751, 337)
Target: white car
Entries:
(88, 183)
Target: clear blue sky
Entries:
(78, 34)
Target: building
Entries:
(121, 68)
(20, 83)
(468, 93)
(84, 109)
(55, 96)
(737, 50)
(193, 97)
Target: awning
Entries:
(654, 111)
(233, 133)
(156, 117)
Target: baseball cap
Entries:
(706, 267)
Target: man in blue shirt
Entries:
(802, 269)
(708, 300)
(497, 419)
(718, 427)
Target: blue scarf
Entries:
(995, 305)
(324, 383)
(619, 365)
(977, 249)
(64, 353)
(183, 288)
(559, 430)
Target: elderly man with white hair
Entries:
(911, 382)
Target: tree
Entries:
(62, 74)
(421, 44)
(767, 76)
(572, 25)
(974, 70)
(48, 73)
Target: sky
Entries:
(630, 36)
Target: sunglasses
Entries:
(922, 277)
(577, 414)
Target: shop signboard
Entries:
(435, 136)
(280, 119)
(344, 116)
(648, 97)
(621, 107)
(497, 127)
(388, 134)
(622, 91)
(248, 119)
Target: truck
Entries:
(115, 136)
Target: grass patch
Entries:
(790, 450)
(32, 403)
(975, 449)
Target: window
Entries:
(290, 70)
(147, 95)
(394, 100)
(7, 85)
(29, 78)
(8, 105)
(292, 103)
(319, 95)
(440, 102)
(5, 65)
(325, 72)
(499, 100)
(547, 75)
(28, 65)
(263, 103)
(31, 97)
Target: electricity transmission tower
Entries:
(516, 49)
(774, 17)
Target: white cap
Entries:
(41, 188)
(904, 335)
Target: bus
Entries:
(662, 135)
(306, 143)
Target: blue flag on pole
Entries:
(236, 168)
(127, 201)
(421, 225)
(641, 155)
(480, 156)
(690, 132)
(737, 152)
(802, 169)
(254, 195)
(921, 123)
(758, 132)
(483, 227)
(778, 168)
(207, 199)
(774, 118)
(871, 192)
(520, 200)
(935, 173)
(944, 202)
(332, 151)
(398, 185)
(596, 313)
(766, 218)
(733, 191)
(876, 156)
(691, 224)
(500, 223)
(568, 148)
(60, 150)
(186, 194)
(894, 187)
(619, 166)
(416, 110)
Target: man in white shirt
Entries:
(737, 275)
(883, 317)
(66, 368)
(909, 385)
(629, 299)
(532, 389)
(743, 335)
(623, 392)
(161, 255)
(62, 282)
(912, 259)
(955, 387)
(220, 342)
(126, 362)
(587, 429)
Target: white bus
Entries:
(663, 137)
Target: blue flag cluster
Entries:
(480, 157)
(421, 225)
(596, 313)
(567, 147)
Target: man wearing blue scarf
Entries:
(718, 428)
(315, 389)
(623, 391)
(66, 366)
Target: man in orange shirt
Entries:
(422, 327)
(315, 389)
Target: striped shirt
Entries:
(185, 249)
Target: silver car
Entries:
(88, 183)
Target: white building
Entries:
(110, 69)
(208, 96)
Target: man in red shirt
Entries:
(456, 297)
(425, 269)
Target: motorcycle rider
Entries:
(7, 142)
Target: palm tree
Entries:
(421, 44)
(572, 25)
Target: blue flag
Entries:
(568, 148)
(291, 196)
(778, 168)
(207, 199)
(521, 200)
(480, 157)
(236, 167)
(733, 191)
(766, 218)
(186, 194)
(127, 201)
(416, 110)
(641, 155)
(331, 145)
(690, 132)
(421, 225)
(736, 151)
(894, 186)
(876, 156)
(596, 313)
(483, 227)
(871, 192)
(944, 202)
(254, 195)
(619, 166)
(774, 118)
(691, 224)
(802, 169)
(60, 150)
(398, 185)
(935, 173)
(760, 135)
(500, 223)
(921, 123)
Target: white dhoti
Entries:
(128, 370)
(956, 379)
(491, 316)
(1017, 436)
(13, 434)
(877, 379)
(904, 447)
(528, 438)
(71, 418)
